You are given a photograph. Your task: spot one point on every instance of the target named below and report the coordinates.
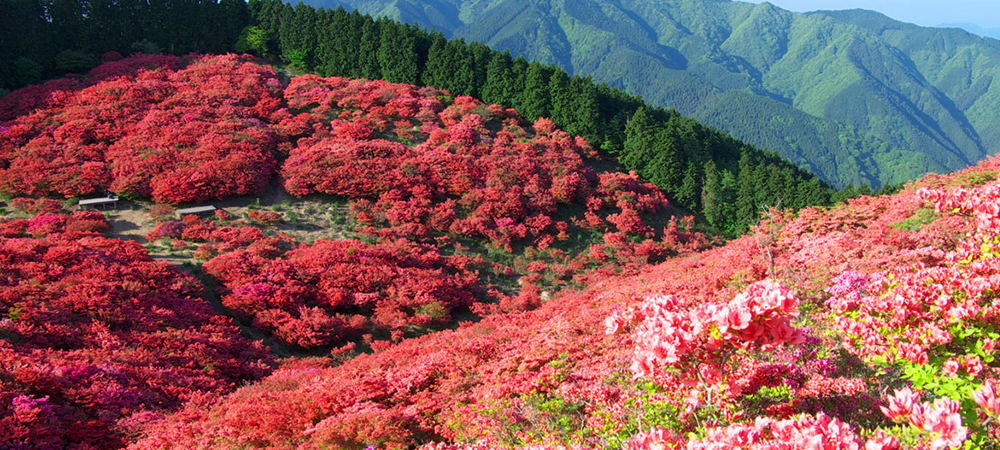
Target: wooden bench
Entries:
(103, 202)
(196, 210)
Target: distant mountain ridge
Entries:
(852, 95)
(974, 29)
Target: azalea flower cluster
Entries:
(466, 168)
(940, 421)
(910, 314)
(696, 347)
(332, 292)
(219, 236)
(173, 129)
(802, 432)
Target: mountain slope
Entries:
(559, 377)
(852, 95)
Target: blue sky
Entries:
(985, 13)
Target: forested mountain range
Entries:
(852, 95)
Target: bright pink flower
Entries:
(612, 324)
(901, 405)
(950, 367)
(986, 398)
(882, 441)
(944, 421)
(656, 439)
(736, 317)
(973, 365)
(913, 353)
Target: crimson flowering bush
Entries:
(97, 340)
(36, 205)
(219, 236)
(76, 223)
(332, 292)
(174, 130)
(466, 169)
(263, 217)
(420, 165)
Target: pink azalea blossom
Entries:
(986, 398)
(901, 405)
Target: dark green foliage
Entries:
(536, 99)
(498, 78)
(711, 195)
(397, 55)
(46, 38)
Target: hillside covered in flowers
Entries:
(867, 325)
(492, 288)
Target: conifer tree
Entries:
(638, 146)
(728, 216)
(481, 57)
(711, 195)
(498, 78)
(514, 89)
(436, 68)
(746, 208)
(584, 111)
(368, 61)
(562, 99)
(397, 56)
(461, 76)
(689, 193)
(667, 166)
(535, 101)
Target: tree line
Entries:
(707, 172)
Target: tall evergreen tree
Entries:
(515, 89)
(461, 76)
(746, 208)
(481, 57)
(498, 78)
(637, 150)
(585, 110)
(436, 69)
(562, 98)
(397, 56)
(728, 209)
(711, 195)
(689, 193)
(371, 38)
(535, 101)
(667, 166)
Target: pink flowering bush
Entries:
(696, 349)
(937, 323)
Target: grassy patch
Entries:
(918, 220)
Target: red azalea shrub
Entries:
(36, 205)
(145, 126)
(263, 217)
(464, 177)
(97, 340)
(218, 236)
(334, 291)
(74, 224)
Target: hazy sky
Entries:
(985, 13)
